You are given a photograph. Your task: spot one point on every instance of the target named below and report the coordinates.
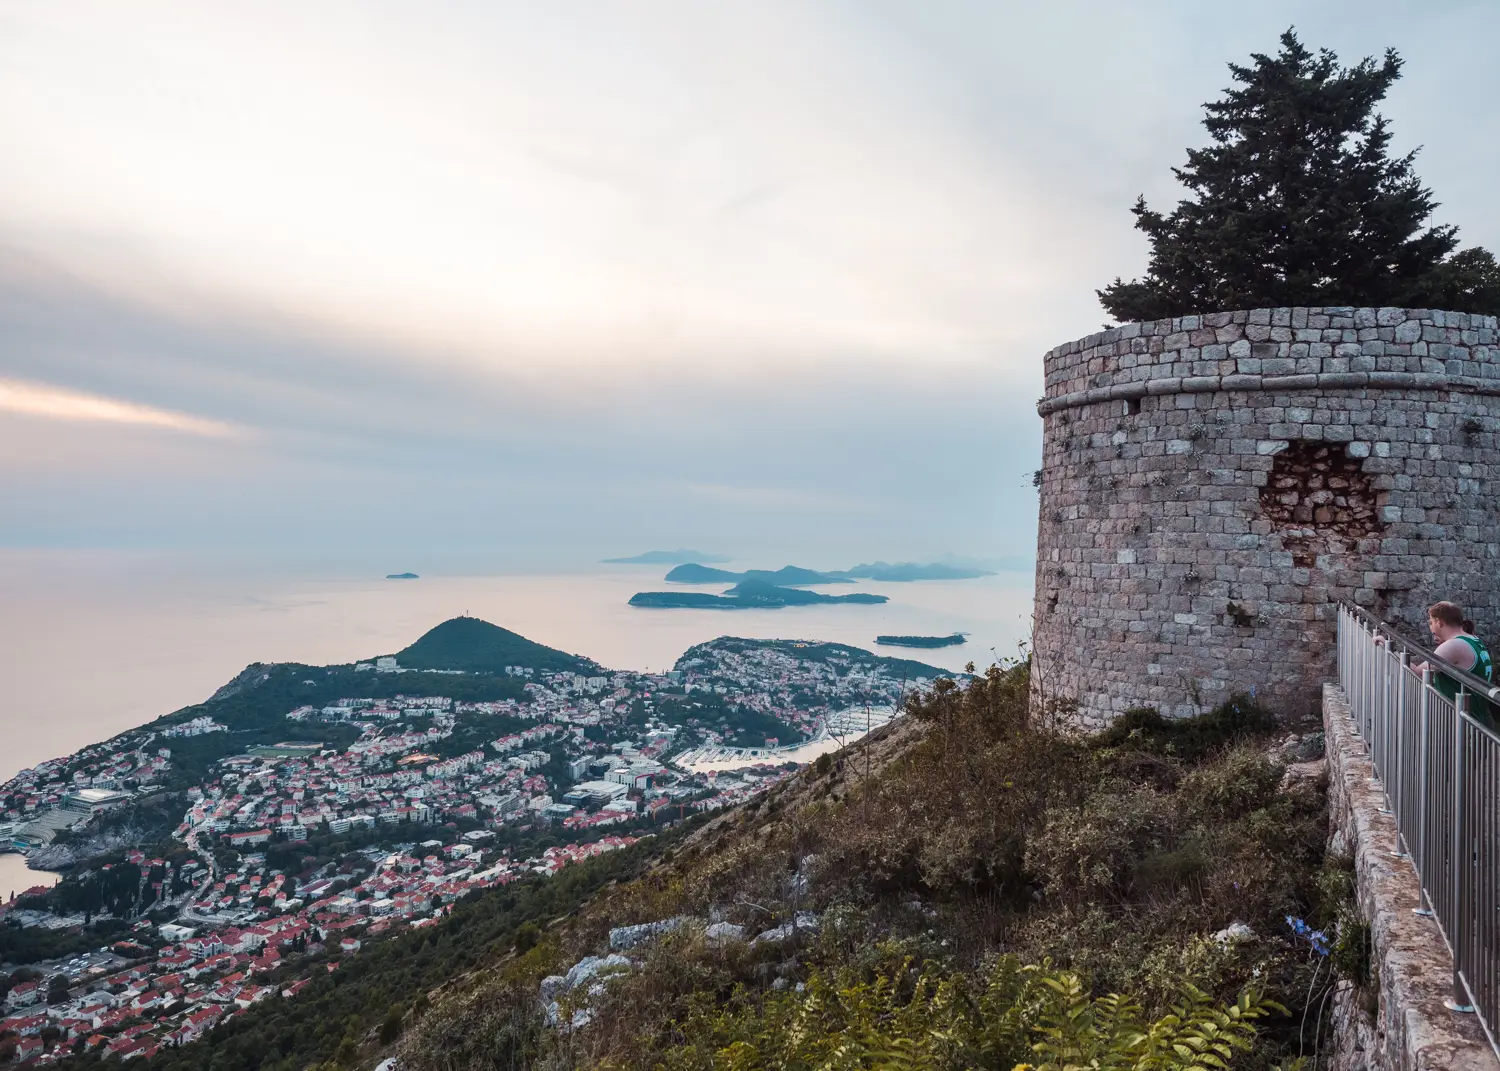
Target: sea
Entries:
(93, 643)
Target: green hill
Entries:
(476, 646)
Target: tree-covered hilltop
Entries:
(1297, 201)
(880, 909)
(470, 645)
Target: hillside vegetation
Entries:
(966, 892)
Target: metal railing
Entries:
(1439, 762)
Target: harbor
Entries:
(837, 730)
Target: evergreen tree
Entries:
(1298, 202)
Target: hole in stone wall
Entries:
(1131, 407)
(1316, 492)
(1242, 616)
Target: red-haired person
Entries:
(1457, 645)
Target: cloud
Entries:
(57, 403)
(350, 445)
(709, 188)
(731, 275)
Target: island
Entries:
(786, 576)
(954, 640)
(695, 572)
(749, 595)
(904, 572)
(402, 576)
(680, 556)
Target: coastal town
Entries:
(375, 815)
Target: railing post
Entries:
(1424, 900)
(1459, 856)
(1359, 678)
(1367, 686)
(1338, 642)
(1382, 749)
(1396, 782)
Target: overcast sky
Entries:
(547, 282)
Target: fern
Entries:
(1108, 1034)
(904, 1019)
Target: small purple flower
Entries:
(1316, 939)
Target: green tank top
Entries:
(1483, 668)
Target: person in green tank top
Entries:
(1456, 643)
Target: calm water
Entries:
(92, 645)
(16, 878)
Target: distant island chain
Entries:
(767, 589)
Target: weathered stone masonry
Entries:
(1212, 485)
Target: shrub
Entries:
(1092, 851)
(390, 1028)
(1352, 948)
(527, 935)
(1244, 780)
(1237, 719)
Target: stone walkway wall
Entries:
(1411, 1030)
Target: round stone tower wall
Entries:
(1212, 485)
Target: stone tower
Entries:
(1212, 485)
